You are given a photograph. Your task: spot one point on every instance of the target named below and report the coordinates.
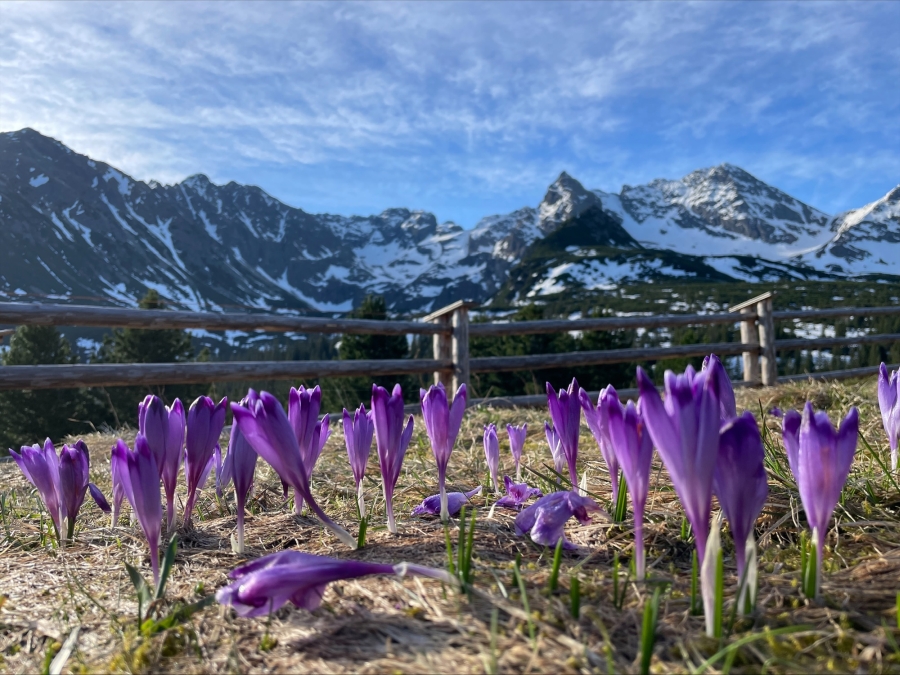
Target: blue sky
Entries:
(464, 109)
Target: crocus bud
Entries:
(492, 453)
(205, 422)
(889, 402)
(358, 434)
(596, 419)
(565, 411)
(442, 421)
(391, 439)
(517, 437)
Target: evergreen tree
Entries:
(30, 416)
(139, 345)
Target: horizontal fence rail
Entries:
(161, 319)
(451, 331)
(145, 374)
(492, 364)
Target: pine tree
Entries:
(30, 416)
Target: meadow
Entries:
(512, 619)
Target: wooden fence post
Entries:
(452, 344)
(460, 344)
(750, 336)
(768, 363)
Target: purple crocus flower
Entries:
(492, 453)
(546, 518)
(391, 440)
(723, 387)
(455, 500)
(442, 421)
(776, 412)
(265, 426)
(820, 459)
(889, 402)
(140, 479)
(265, 585)
(516, 494)
(517, 437)
(598, 424)
(303, 414)
(239, 467)
(741, 485)
(634, 451)
(62, 481)
(358, 432)
(559, 458)
(163, 427)
(205, 422)
(685, 431)
(565, 411)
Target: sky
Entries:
(464, 109)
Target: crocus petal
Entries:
(722, 385)
(492, 453)
(565, 411)
(546, 518)
(455, 501)
(98, 497)
(516, 494)
(205, 422)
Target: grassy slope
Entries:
(388, 625)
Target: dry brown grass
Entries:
(408, 625)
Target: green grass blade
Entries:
(520, 581)
(722, 653)
(554, 572)
(648, 631)
(168, 561)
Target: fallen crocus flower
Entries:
(565, 411)
(239, 467)
(741, 485)
(358, 433)
(724, 389)
(820, 459)
(205, 422)
(516, 494)
(776, 412)
(634, 451)
(492, 454)
(596, 418)
(311, 433)
(163, 427)
(61, 481)
(517, 437)
(391, 439)
(455, 500)
(559, 458)
(264, 424)
(889, 402)
(140, 478)
(442, 421)
(267, 584)
(546, 518)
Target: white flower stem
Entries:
(360, 500)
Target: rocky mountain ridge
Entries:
(73, 228)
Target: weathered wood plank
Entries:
(145, 374)
(602, 324)
(37, 314)
(834, 312)
(491, 364)
(822, 343)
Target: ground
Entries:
(387, 624)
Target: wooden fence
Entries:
(450, 330)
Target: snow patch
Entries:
(37, 181)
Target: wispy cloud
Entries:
(463, 108)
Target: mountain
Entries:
(77, 229)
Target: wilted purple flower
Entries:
(546, 518)
(685, 431)
(820, 459)
(455, 500)
(265, 585)
(265, 426)
(62, 481)
(565, 411)
(240, 465)
(889, 402)
(741, 485)
(723, 388)
(391, 440)
(516, 494)
(163, 427)
(358, 432)
(634, 451)
(559, 458)
(442, 421)
(303, 414)
(492, 453)
(205, 422)
(140, 478)
(598, 424)
(517, 437)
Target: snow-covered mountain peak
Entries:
(566, 198)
